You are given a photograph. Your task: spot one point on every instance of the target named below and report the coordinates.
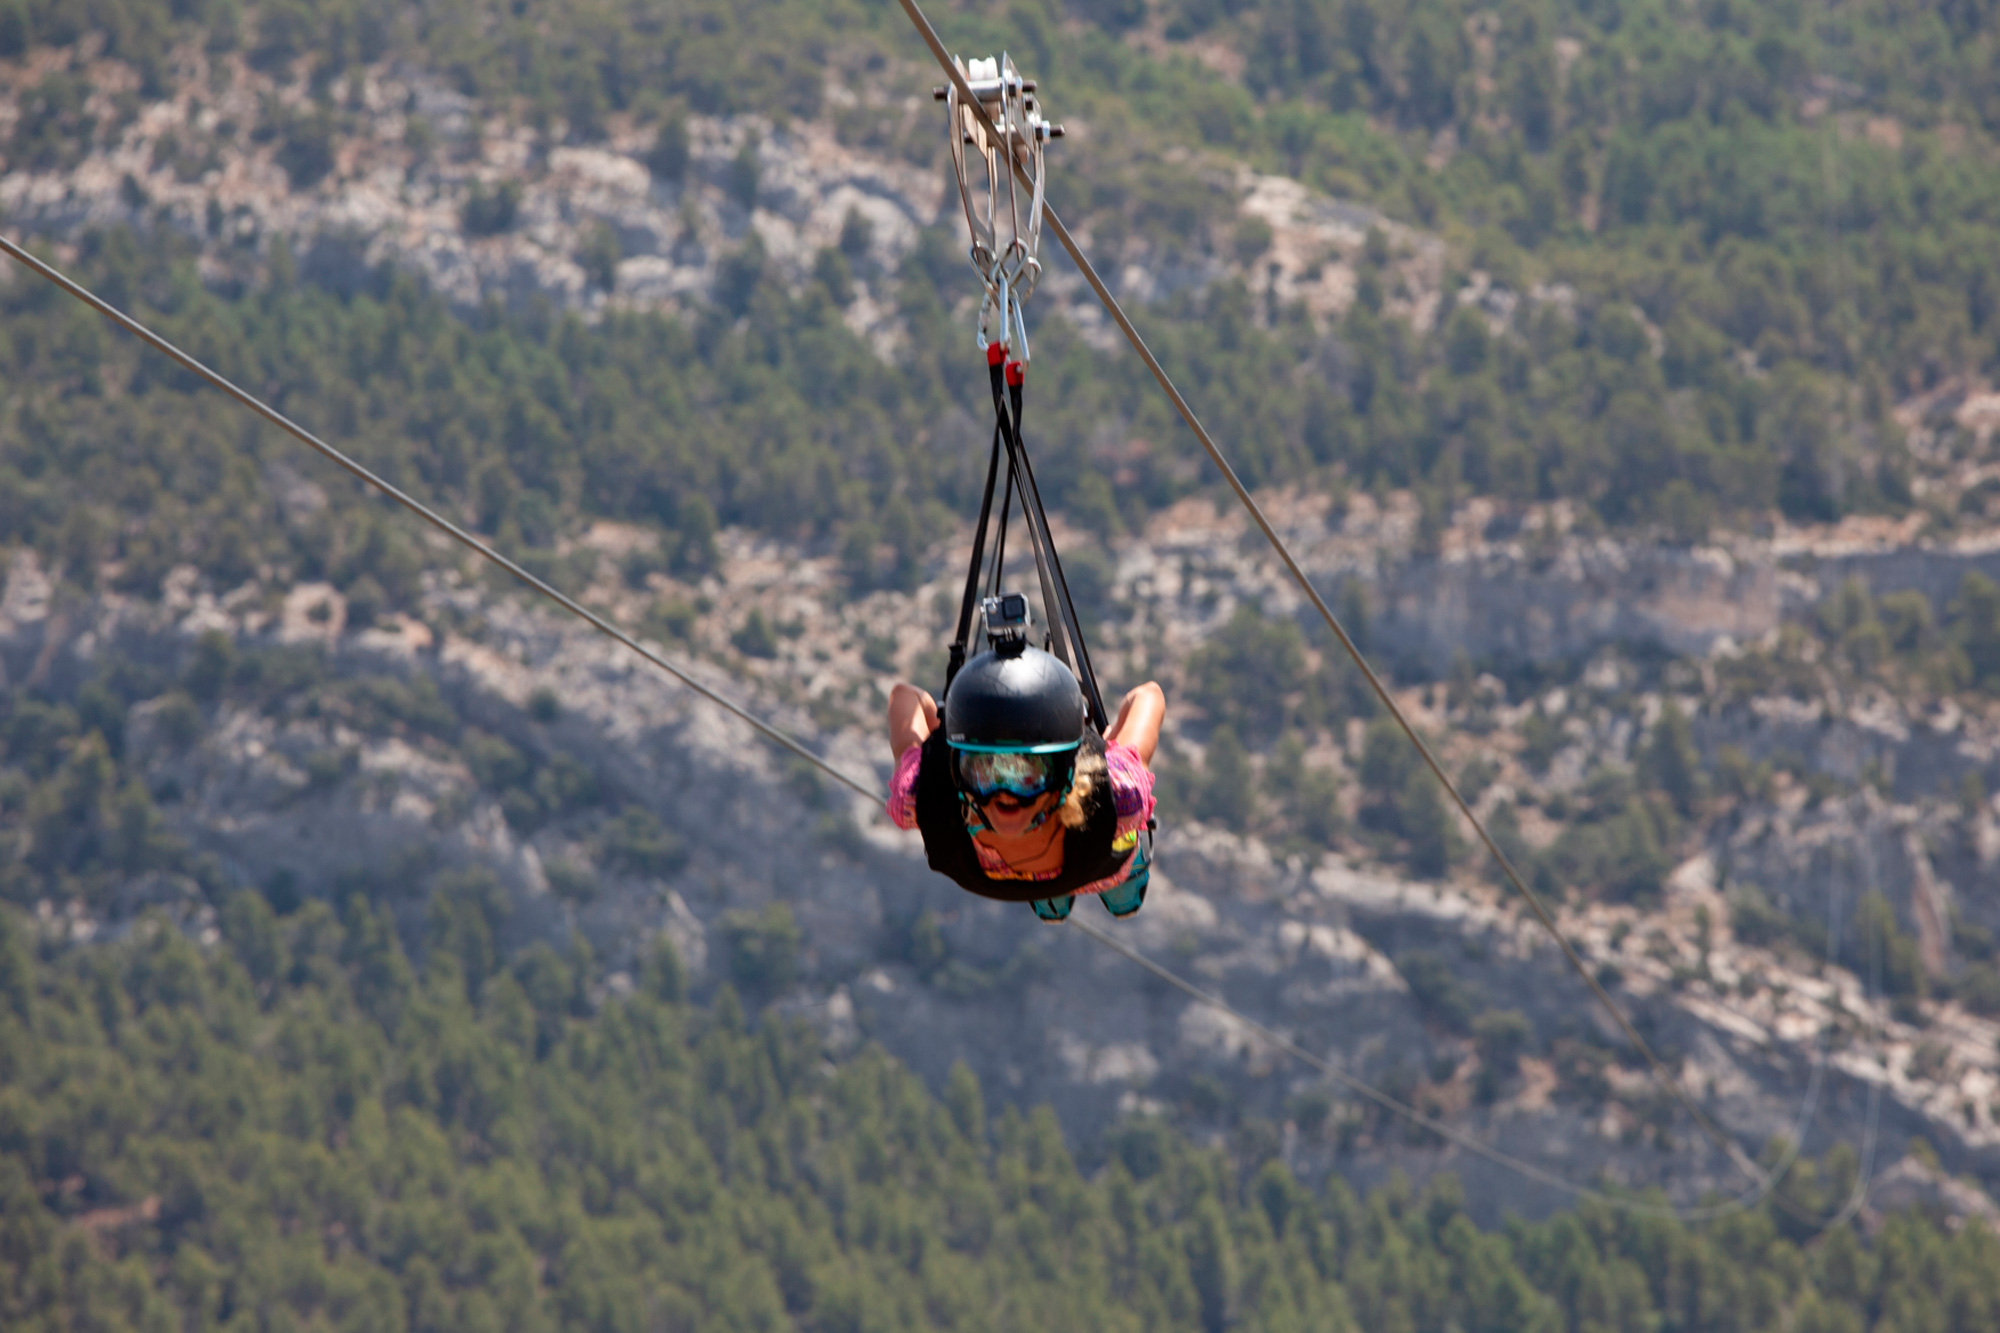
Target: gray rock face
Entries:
(1540, 592)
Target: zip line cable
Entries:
(1667, 1078)
(1764, 1185)
(419, 508)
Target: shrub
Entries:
(213, 665)
(179, 719)
(1435, 985)
(1401, 798)
(1501, 1036)
(668, 158)
(1247, 674)
(1227, 793)
(763, 948)
(1975, 626)
(830, 270)
(1542, 739)
(305, 149)
(664, 976)
(1754, 920)
(490, 212)
(1878, 947)
(366, 601)
(570, 881)
(1670, 763)
(637, 842)
(598, 255)
(1979, 989)
(743, 176)
(754, 638)
(1618, 843)
(496, 765)
(1253, 238)
(857, 235)
(14, 30)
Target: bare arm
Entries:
(913, 716)
(1138, 720)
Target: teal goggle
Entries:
(1024, 775)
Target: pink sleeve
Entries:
(1131, 786)
(903, 788)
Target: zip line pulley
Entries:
(1003, 216)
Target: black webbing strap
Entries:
(1060, 610)
(1086, 673)
(971, 597)
(1052, 618)
(1000, 537)
(1053, 623)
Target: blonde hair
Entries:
(1090, 770)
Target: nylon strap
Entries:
(1000, 538)
(967, 602)
(1053, 622)
(1088, 672)
(1061, 611)
(1064, 629)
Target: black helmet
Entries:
(1020, 702)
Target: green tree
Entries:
(1501, 1037)
(1402, 799)
(1212, 1264)
(668, 158)
(1975, 625)
(1880, 948)
(1228, 789)
(1249, 674)
(1670, 763)
(763, 948)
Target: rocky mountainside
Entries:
(472, 739)
(1346, 951)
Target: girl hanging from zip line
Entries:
(1017, 798)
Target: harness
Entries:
(1005, 229)
(1006, 232)
(1087, 852)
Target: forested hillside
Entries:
(1702, 272)
(300, 1128)
(1711, 248)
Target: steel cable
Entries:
(417, 507)
(1665, 1076)
(866, 790)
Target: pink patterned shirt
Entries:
(1131, 797)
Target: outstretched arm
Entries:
(1138, 720)
(913, 716)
